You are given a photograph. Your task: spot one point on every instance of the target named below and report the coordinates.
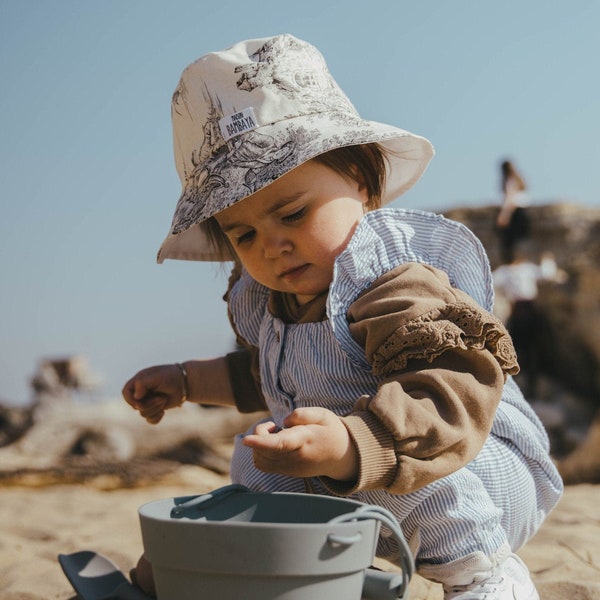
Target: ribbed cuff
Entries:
(377, 458)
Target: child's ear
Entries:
(363, 188)
(358, 176)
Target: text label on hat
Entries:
(238, 123)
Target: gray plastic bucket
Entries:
(242, 545)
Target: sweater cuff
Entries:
(377, 458)
(247, 397)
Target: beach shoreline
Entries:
(40, 522)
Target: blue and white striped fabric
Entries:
(503, 495)
(387, 238)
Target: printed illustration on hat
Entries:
(233, 154)
(249, 114)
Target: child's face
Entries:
(288, 234)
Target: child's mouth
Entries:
(295, 272)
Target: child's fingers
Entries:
(135, 393)
(308, 416)
(151, 408)
(153, 413)
(265, 428)
(283, 441)
(155, 418)
(128, 392)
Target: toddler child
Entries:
(366, 331)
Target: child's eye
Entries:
(296, 216)
(245, 237)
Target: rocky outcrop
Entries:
(63, 441)
(572, 234)
(570, 352)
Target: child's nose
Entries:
(276, 245)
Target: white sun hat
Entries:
(249, 114)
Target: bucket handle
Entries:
(184, 503)
(343, 540)
(385, 517)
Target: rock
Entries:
(14, 422)
(571, 353)
(75, 442)
(583, 464)
(58, 375)
(569, 398)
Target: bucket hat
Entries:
(247, 115)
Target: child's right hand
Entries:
(154, 390)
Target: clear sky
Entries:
(88, 185)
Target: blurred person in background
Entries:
(512, 222)
(517, 283)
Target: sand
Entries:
(38, 523)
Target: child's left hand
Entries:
(314, 442)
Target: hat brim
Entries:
(298, 141)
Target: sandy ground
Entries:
(38, 523)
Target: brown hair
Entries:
(509, 171)
(364, 163)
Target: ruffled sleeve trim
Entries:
(459, 325)
(387, 238)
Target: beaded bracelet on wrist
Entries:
(185, 394)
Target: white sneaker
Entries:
(508, 581)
